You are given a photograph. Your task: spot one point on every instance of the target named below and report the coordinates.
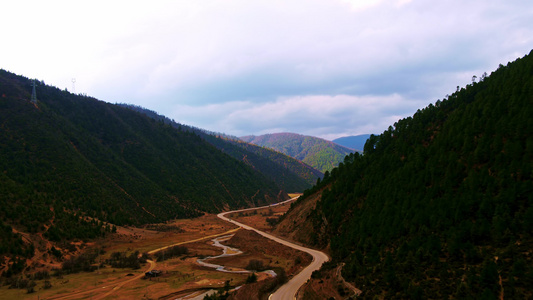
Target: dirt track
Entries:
(290, 289)
(111, 288)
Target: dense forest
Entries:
(321, 154)
(71, 163)
(288, 173)
(440, 205)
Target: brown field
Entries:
(180, 276)
(114, 283)
(272, 254)
(328, 284)
(258, 218)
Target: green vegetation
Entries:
(252, 278)
(320, 154)
(123, 260)
(73, 165)
(171, 252)
(255, 265)
(288, 173)
(81, 263)
(441, 204)
(221, 294)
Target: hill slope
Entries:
(440, 205)
(288, 173)
(356, 142)
(73, 156)
(321, 154)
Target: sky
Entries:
(326, 68)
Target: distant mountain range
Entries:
(356, 142)
(321, 154)
(441, 204)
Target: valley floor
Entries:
(179, 276)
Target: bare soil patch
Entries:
(145, 240)
(177, 273)
(295, 226)
(272, 254)
(259, 218)
(328, 283)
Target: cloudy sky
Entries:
(326, 68)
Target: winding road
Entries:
(287, 291)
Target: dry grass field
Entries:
(117, 283)
(181, 275)
(259, 218)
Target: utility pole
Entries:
(33, 93)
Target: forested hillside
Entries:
(70, 162)
(441, 204)
(288, 173)
(320, 154)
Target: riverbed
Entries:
(227, 251)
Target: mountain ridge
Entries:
(440, 204)
(289, 173)
(356, 142)
(72, 164)
(319, 153)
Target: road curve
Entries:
(287, 291)
(117, 285)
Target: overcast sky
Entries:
(326, 68)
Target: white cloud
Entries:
(361, 4)
(319, 115)
(238, 55)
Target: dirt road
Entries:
(113, 287)
(289, 290)
(110, 287)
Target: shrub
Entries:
(256, 265)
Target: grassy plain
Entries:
(178, 273)
(180, 276)
(258, 218)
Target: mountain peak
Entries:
(319, 153)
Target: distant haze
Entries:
(326, 68)
(355, 142)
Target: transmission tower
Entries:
(74, 85)
(33, 93)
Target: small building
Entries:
(153, 273)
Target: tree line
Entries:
(440, 205)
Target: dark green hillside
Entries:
(288, 173)
(76, 156)
(441, 204)
(320, 154)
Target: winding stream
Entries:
(289, 290)
(227, 251)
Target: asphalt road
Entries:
(287, 291)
